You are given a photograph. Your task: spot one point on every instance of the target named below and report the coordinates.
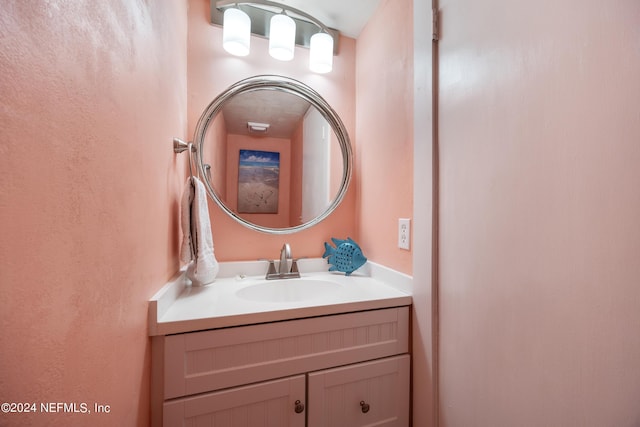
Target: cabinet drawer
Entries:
(366, 394)
(268, 404)
(212, 360)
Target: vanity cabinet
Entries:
(328, 371)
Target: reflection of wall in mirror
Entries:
(315, 165)
(235, 143)
(215, 154)
(295, 214)
(336, 162)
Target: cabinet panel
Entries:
(335, 395)
(269, 404)
(212, 360)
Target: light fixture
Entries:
(321, 53)
(284, 26)
(282, 37)
(236, 32)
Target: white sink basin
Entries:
(288, 290)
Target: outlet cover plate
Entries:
(404, 233)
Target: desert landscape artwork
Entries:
(258, 181)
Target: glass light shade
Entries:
(321, 53)
(236, 32)
(282, 37)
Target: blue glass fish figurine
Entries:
(346, 256)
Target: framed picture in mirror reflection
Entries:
(258, 181)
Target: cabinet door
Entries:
(365, 394)
(267, 404)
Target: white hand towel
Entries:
(197, 242)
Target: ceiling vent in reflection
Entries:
(260, 128)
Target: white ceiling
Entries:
(347, 16)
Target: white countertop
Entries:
(179, 307)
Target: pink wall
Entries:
(210, 71)
(540, 213)
(384, 125)
(92, 95)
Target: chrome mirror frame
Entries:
(284, 84)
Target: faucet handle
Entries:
(272, 266)
(294, 267)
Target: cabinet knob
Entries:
(364, 406)
(299, 407)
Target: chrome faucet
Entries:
(284, 272)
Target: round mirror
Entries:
(273, 154)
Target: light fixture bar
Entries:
(260, 18)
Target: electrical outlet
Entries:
(404, 233)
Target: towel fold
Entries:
(197, 242)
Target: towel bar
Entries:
(179, 146)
